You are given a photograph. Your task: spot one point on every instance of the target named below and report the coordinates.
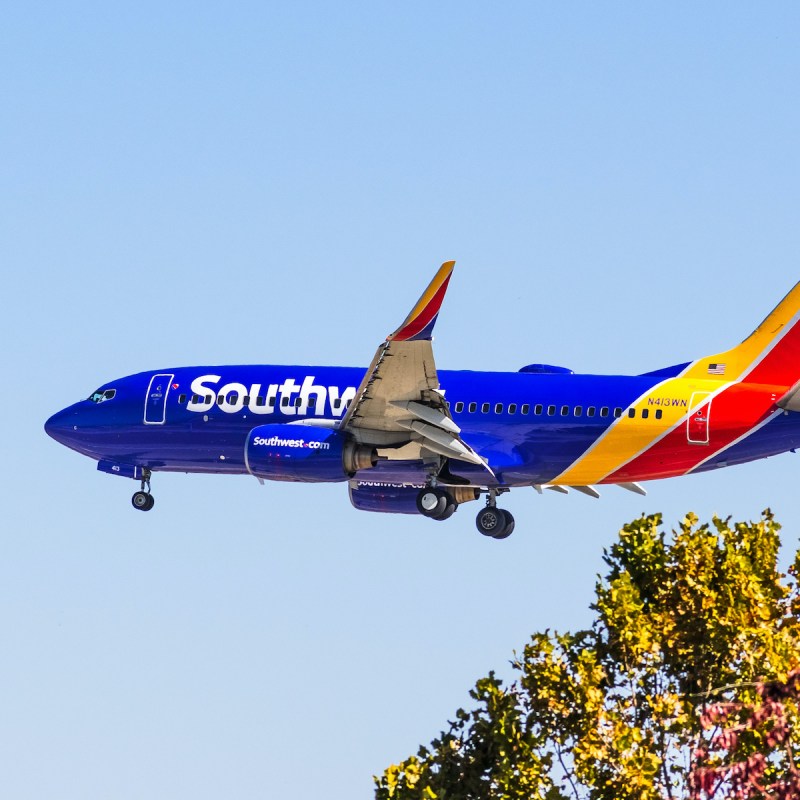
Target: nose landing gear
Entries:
(143, 500)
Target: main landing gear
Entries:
(436, 503)
(143, 500)
(497, 523)
(441, 504)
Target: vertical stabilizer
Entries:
(770, 355)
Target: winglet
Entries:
(419, 323)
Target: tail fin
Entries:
(770, 354)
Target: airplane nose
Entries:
(61, 426)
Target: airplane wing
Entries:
(399, 405)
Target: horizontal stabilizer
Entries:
(791, 400)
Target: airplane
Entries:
(408, 438)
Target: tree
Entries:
(767, 724)
(685, 683)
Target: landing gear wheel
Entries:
(431, 503)
(449, 510)
(491, 521)
(509, 529)
(142, 501)
(436, 504)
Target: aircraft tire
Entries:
(449, 510)
(432, 503)
(142, 501)
(509, 529)
(491, 522)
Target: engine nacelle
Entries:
(385, 497)
(399, 498)
(304, 453)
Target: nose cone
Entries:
(62, 427)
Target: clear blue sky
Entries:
(275, 183)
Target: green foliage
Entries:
(616, 712)
(488, 752)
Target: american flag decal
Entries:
(716, 369)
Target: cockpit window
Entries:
(101, 396)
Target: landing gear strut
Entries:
(492, 521)
(143, 500)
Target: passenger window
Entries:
(525, 408)
(181, 399)
(484, 408)
(195, 398)
(284, 402)
(246, 400)
(659, 413)
(260, 400)
(564, 411)
(578, 411)
(220, 400)
(538, 408)
(618, 412)
(473, 407)
(498, 408)
(299, 402)
(459, 407)
(551, 410)
(631, 413)
(209, 399)
(590, 411)
(512, 408)
(645, 413)
(604, 411)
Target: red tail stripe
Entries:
(733, 412)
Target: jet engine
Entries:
(398, 498)
(305, 453)
(385, 497)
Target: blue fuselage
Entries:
(529, 426)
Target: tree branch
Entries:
(719, 689)
(567, 773)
